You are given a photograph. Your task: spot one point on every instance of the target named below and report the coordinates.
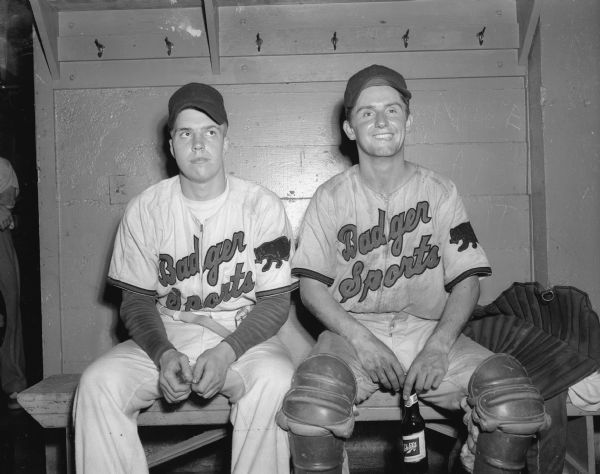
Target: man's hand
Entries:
(431, 364)
(211, 368)
(175, 376)
(378, 360)
(6, 218)
(426, 372)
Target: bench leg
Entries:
(58, 450)
(581, 452)
(69, 450)
(54, 450)
(591, 448)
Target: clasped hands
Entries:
(425, 373)
(178, 378)
(6, 218)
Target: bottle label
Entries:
(411, 400)
(414, 447)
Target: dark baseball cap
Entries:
(374, 75)
(197, 96)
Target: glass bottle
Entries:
(413, 437)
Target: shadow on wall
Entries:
(169, 162)
(347, 147)
(111, 296)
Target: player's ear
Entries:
(225, 144)
(171, 147)
(409, 122)
(349, 130)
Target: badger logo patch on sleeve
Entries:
(276, 251)
(463, 234)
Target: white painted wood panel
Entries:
(284, 69)
(314, 117)
(463, 12)
(296, 171)
(428, 35)
(134, 21)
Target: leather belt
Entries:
(204, 320)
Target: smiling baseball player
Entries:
(389, 263)
(203, 262)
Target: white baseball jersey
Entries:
(224, 263)
(389, 253)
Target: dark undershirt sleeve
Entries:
(263, 322)
(141, 318)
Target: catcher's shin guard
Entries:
(318, 412)
(323, 454)
(508, 410)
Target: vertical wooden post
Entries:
(46, 20)
(48, 199)
(211, 16)
(528, 15)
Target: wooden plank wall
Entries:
(284, 105)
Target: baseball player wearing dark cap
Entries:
(389, 262)
(203, 263)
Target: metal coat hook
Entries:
(259, 41)
(169, 45)
(334, 40)
(405, 38)
(480, 36)
(99, 47)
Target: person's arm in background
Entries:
(8, 198)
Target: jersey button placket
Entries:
(386, 251)
(201, 262)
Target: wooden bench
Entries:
(50, 401)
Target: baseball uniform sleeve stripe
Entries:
(263, 322)
(480, 271)
(141, 318)
(128, 287)
(277, 291)
(305, 272)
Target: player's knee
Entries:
(508, 410)
(318, 412)
(98, 379)
(276, 377)
(321, 398)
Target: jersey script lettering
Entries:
(425, 256)
(169, 272)
(373, 238)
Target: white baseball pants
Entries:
(406, 335)
(114, 389)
